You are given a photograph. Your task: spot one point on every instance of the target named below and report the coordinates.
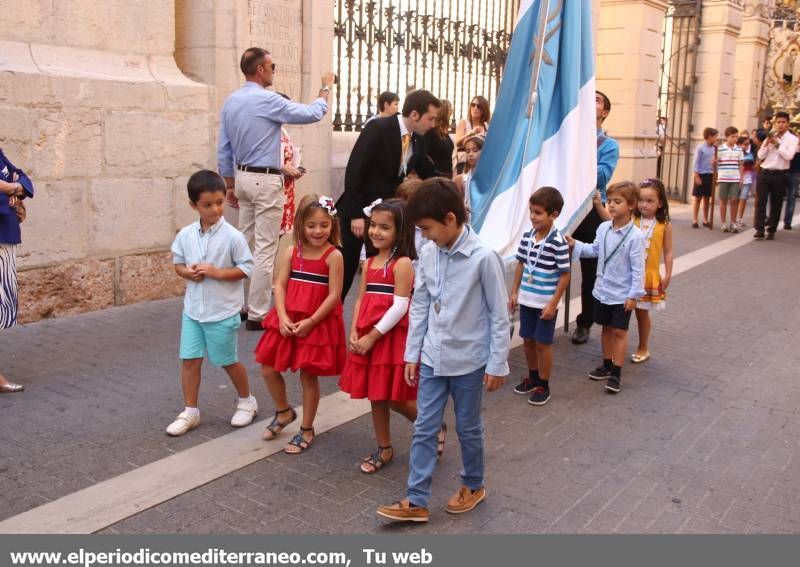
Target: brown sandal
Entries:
(376, 460)
(276, 426)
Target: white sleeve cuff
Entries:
(393, 315)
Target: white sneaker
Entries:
(732, 228)
(245, 412)
(724, 227)
(182, 424)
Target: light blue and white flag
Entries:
(543, 130)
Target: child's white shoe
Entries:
(245, 412)
(183, 423)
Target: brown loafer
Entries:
(403, 511)
(465, 500)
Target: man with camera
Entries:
(775, 154)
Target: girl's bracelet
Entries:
(311, 317)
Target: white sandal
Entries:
(11, 388)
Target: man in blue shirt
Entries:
(249, 158)
(607, 158)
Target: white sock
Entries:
(191, 411)
(248, 399)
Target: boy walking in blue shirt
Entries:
(458, 341)
(540, 279)
(213, 258)
(619, 249)
(705, 160)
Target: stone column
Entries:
(629, 42)
(721, 22)
(751, 56)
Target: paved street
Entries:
(705, 437)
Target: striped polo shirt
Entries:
(543, 263)
(728, 160)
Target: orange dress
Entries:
(654, 295)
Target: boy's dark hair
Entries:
(731, 130)
(434, 198)
(628, 190)
(204, 181)
(606, 101)
(741, 140)
(709, 133)
(404, 245)
(386, 97)
(549, 198)
(782, 114)
(419, 100)
(251, 59)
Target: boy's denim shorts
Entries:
(219, 338)
(533, 327)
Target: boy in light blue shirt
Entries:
(619, 249)
(214, 259)
(458, 341)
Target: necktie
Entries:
(404, 148)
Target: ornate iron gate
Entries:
(455, 48)
(676, 95)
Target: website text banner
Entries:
(401, 549)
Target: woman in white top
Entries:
(476, 124)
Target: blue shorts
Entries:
(533, 327)
(220, 339)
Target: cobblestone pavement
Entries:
(703, 438)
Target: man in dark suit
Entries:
(385, 152)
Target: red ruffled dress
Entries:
(378, 375)
(322, 352)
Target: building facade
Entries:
(111, 106)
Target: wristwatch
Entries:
(325, 89)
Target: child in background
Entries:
(729, 177)
(652, 218)
(214, 259)
(748, 177)
(472, 147)
(705, 160)
(374, 367)
(305, 328)
(540, 279)
(458, 338)
(619, 249)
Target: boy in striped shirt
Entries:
(730, 159)
(540, 279)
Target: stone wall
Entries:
(110, 107)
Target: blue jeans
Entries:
(791, 194)
(467, 393)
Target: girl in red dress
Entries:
(374, 367)
(305, 328)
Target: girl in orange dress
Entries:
(652, 218)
